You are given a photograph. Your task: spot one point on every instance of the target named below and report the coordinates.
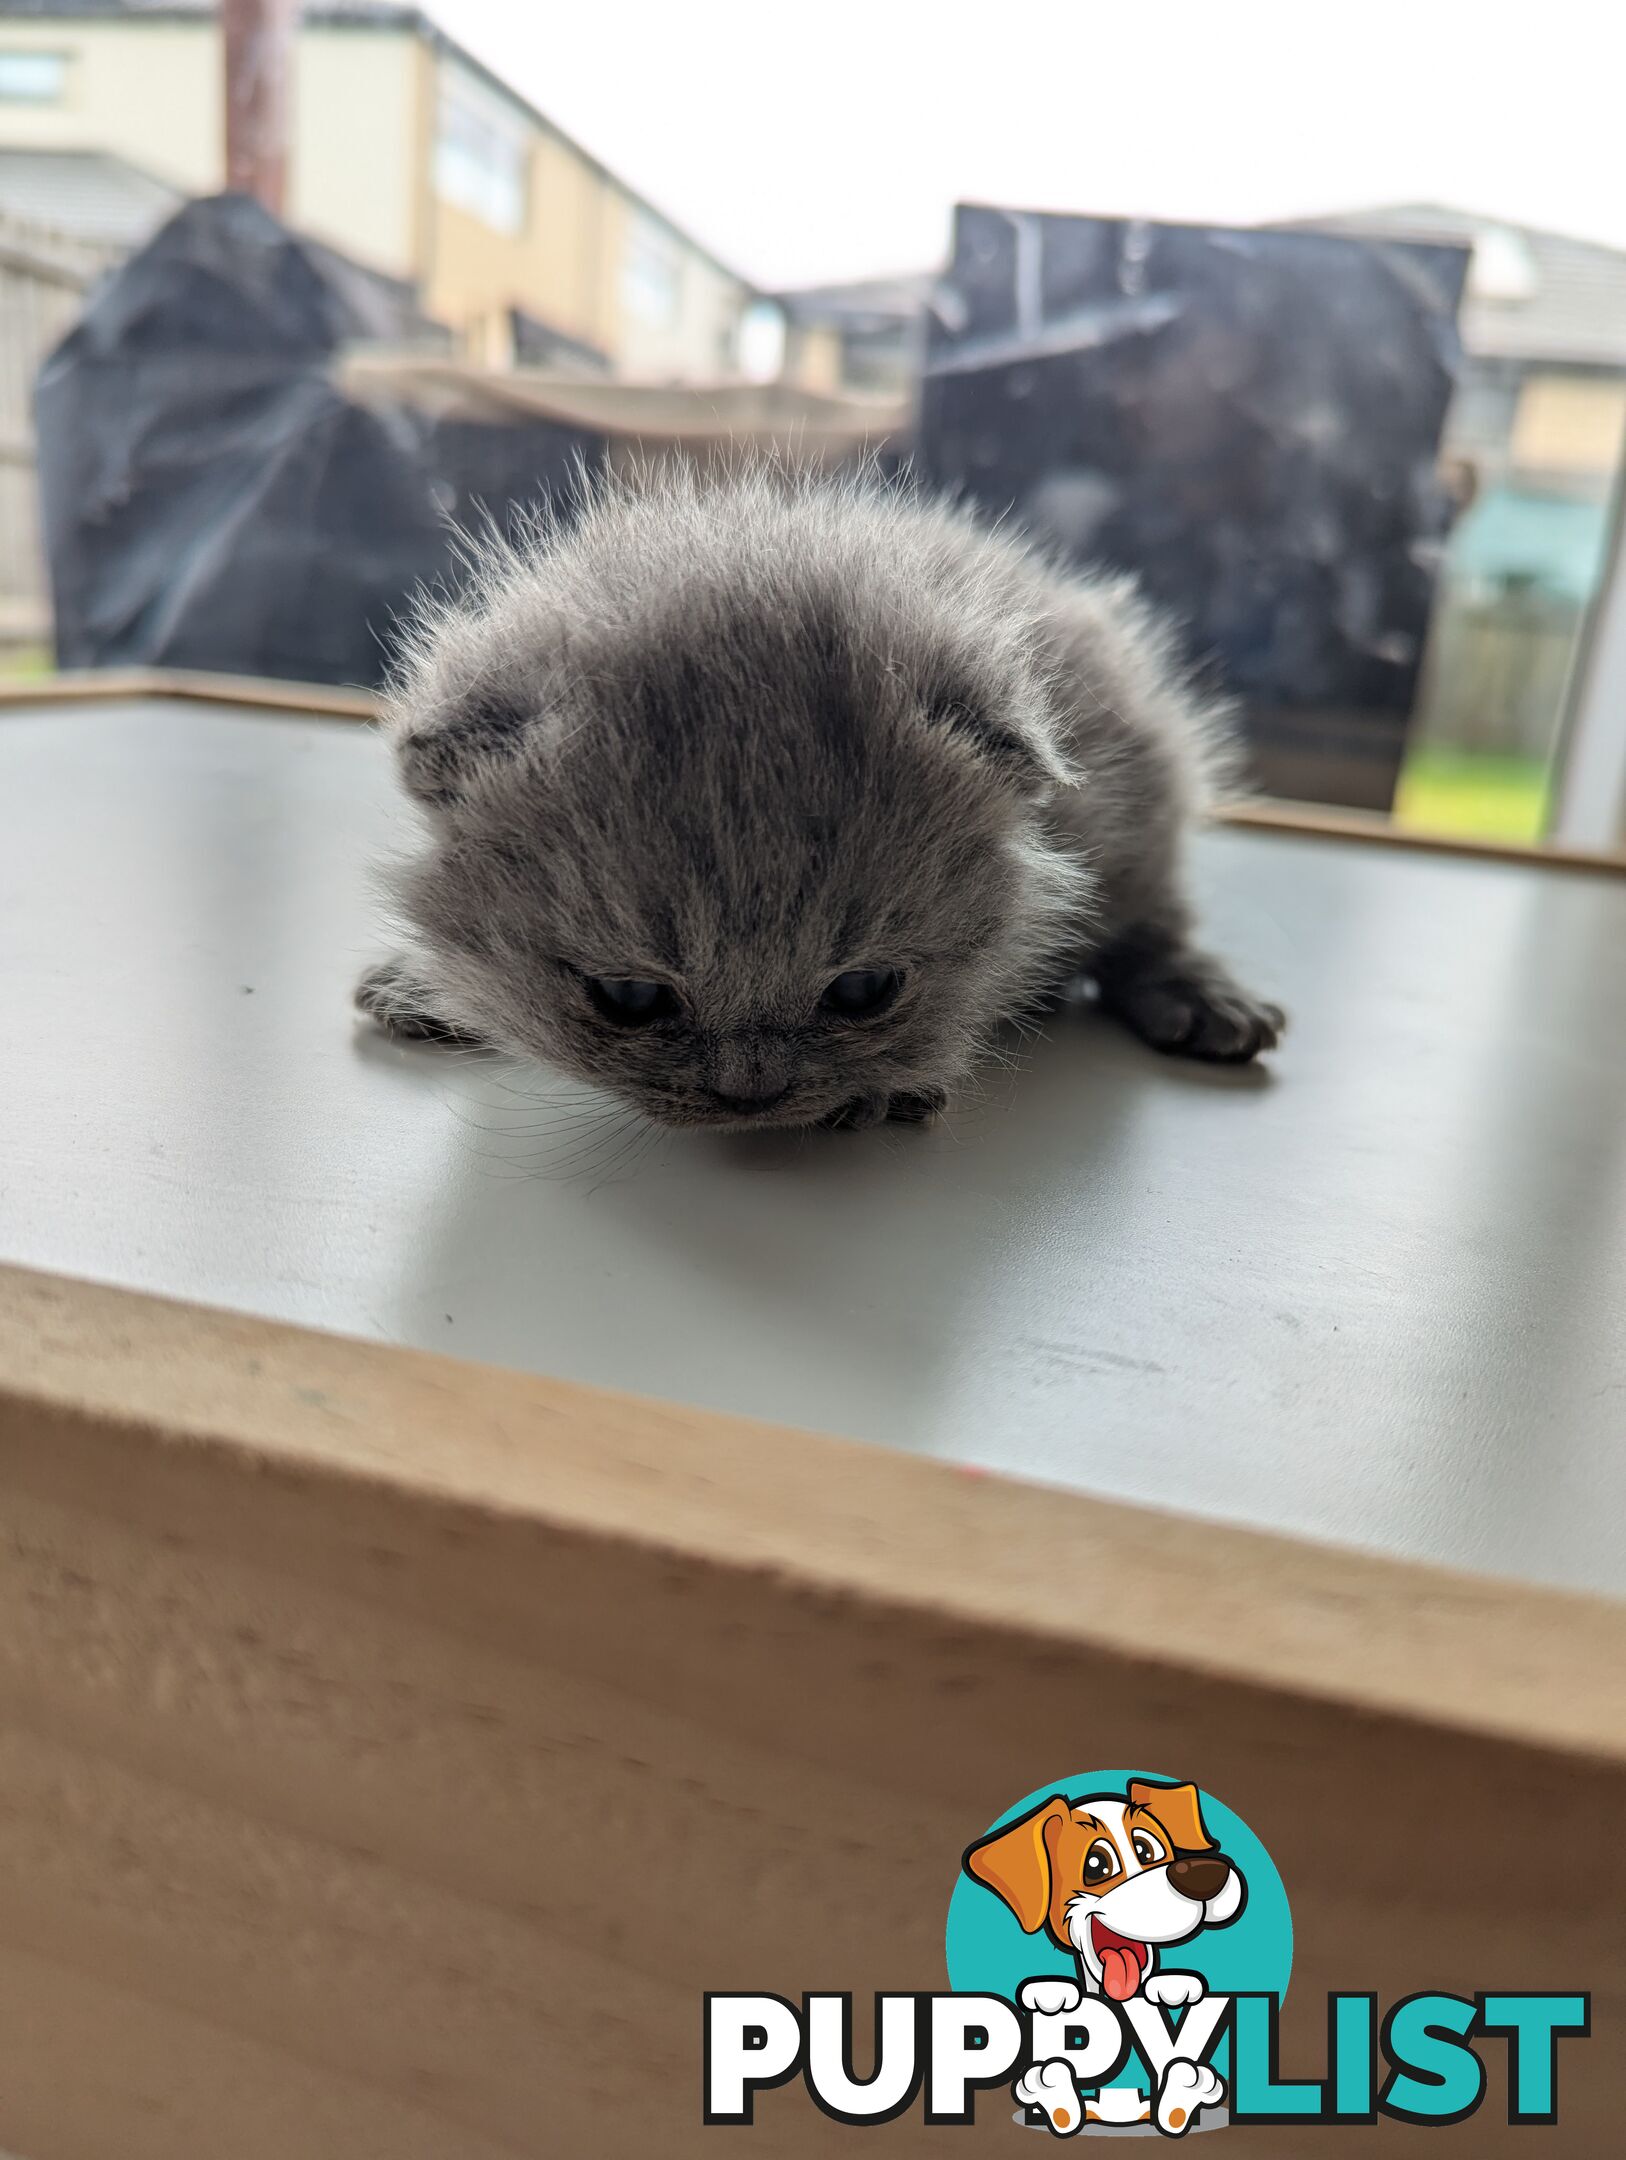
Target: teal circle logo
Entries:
(1114, 1880)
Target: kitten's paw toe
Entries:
(1202, 1017)
(855, 1116)
(391, 997)
(918, 1107)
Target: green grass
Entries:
(1472, 795)
(26, 661)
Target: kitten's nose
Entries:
(747, 1071)
(750, 1105)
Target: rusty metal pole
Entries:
(258, 38)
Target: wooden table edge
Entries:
(844, 1520)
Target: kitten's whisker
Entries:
(548, 1128)
(578, 1138)
(584, 1156)
(626, 1161)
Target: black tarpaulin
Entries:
(212, 499)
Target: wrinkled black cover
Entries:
(1249, 421)
(210, 498)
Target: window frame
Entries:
(475, 142)
(1590, 796)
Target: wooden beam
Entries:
(392, 1750)
(1315, 821)
(107, 686)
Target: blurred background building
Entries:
(482, 228)
(406, 154)
(861, 340)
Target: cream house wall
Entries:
(698, 340)
(570, 264)
(555, 263)
(572, 215)
(813, 358)
(354, 171)
(1573, 425)
(150, 91)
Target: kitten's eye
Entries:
(861, 993)
(630, 1003)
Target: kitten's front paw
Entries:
(391, 995)
(858, 1115)
(917, 1107)
(1196, 1010)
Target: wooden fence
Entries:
(44, 276)
(1496, 673)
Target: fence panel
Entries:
(44, 276)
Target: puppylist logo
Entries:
(1119, 1947)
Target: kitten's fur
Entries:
(740, 736)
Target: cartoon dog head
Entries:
(1112, 1878)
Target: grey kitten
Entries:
(767, 799)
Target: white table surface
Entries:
(1377, 1296)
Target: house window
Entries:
(482, 156)
(651, 272)
(33, 78)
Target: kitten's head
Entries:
(733, 808)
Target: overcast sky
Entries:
(806, 140)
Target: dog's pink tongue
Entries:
(1120, 1972)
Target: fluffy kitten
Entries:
(765, 800)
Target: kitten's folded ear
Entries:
(1020, 751)
(440, 756)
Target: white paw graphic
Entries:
(1186, 2087)
(1051, 1998)
(1049, 2085)
(1173, 1990)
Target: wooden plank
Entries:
(102, 686)
(1312, 821)
(419, 1740)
